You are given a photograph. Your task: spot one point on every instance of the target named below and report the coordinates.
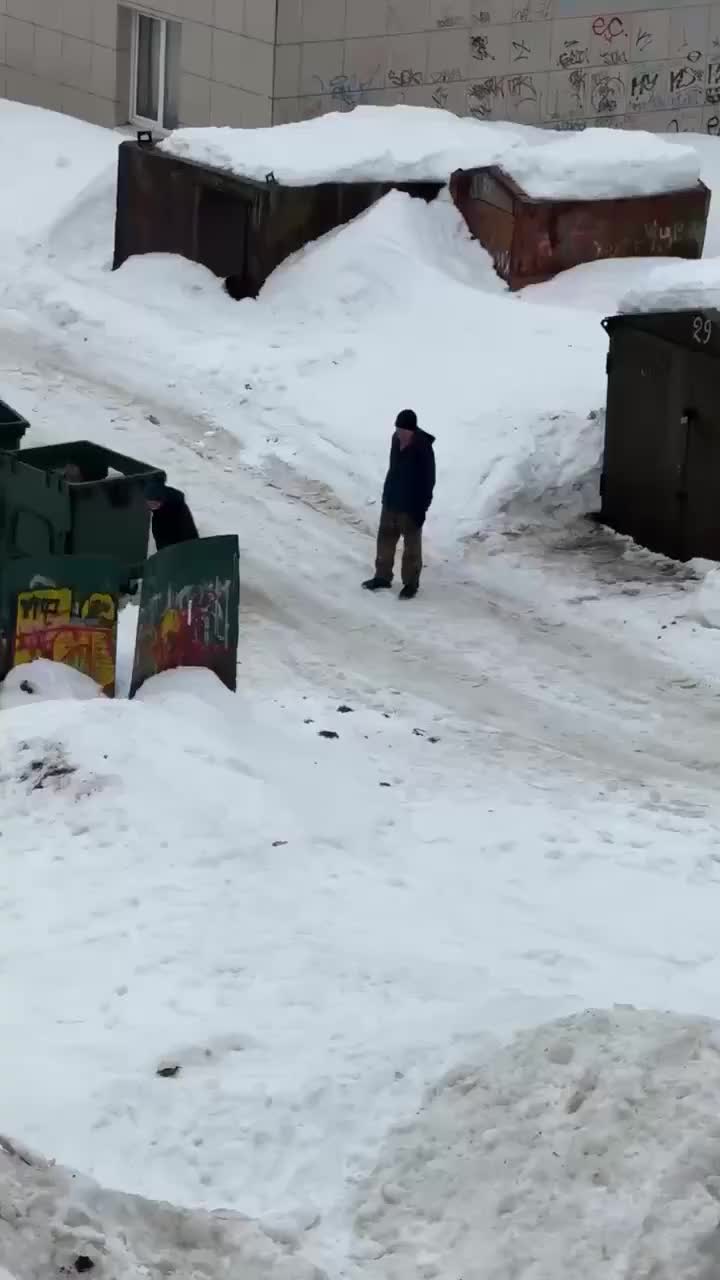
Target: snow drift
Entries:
(405, 144)
(374, 144)
(601, 164)
(58, 1223)
(590, 1146)
(44, 681)
(52, 159)
(676, 286)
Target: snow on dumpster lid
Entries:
(369, 144)
(422, 144)
(676, 286)
(603, 164)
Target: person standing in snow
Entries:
(407, 495)
(171, 516)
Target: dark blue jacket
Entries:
(410, 479)
(172, 522)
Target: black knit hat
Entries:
(407, 420)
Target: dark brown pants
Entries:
(395, 525)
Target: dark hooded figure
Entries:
(406, 498)
(171, 516)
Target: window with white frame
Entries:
(154, 71)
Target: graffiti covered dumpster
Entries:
(63, 609)
(189, 610)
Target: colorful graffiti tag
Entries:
(189, 610)
(79, 630)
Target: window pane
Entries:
(149, 39)
(172, 74)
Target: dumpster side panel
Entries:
(240, 229)
(702, 510)
(696, 330)
(189, 610)
(111, 519)
(34, 510)
(156, 206)
(572, 232)
(488, 208)
(71, 618)
(645, 441)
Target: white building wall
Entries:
(565, 63)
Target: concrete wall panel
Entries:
(651, 64)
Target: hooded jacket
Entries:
(172, 522)
(410, 480)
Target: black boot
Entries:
(376, 584)
(409, 592)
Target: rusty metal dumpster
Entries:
(239, 228)
(661, 466)
(531, 240)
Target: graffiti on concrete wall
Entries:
(566, 63)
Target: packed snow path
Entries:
(529, 673)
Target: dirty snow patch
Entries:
(590, 1146)
(55, 1223)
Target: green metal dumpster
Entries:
(12, 427)
(75, 499)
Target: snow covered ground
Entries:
(517, 820)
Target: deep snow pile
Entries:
(44, 681)
(676, 286)
(58, 1223)
(378, 144)
(590, 1146)
(48, 160)
(603, 163)
(405, 144)
(282, 373)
